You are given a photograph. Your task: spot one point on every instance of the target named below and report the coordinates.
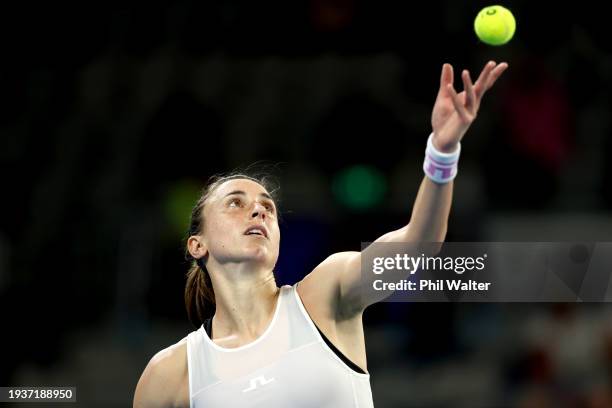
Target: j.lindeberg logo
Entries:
(261, 381)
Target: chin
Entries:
(262, 256)
(258, 254)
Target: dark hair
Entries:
(199, 293)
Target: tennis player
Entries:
(260, 345)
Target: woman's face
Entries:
(240, 224)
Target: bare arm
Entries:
(339, 276)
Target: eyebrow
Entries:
(240, 192)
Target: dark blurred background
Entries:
(114, 114)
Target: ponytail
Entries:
(199, 295)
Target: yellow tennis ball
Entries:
(495, 25)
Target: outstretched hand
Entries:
(454, 113)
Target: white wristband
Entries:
(438, 166)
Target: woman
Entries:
(301, 345)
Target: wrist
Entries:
(441, 167)
(444, 147)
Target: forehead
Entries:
(249, 187)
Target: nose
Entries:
(258, 211)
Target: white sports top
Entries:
(288, 366)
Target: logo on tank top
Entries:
(258, 382)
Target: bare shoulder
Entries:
(164, 382)
(321, 287)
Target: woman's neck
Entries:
(245, 303)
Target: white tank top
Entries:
(289, 365)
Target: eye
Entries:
(269, 207)
(235, 202)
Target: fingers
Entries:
(447, 76)
(466, 105)
(471, 103)
(496, 73)
(459, 108)
(480, 86)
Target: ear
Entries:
(196, 247)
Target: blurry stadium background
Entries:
(114, 114)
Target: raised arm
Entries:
(339, 276)
(451, 117)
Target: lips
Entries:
(257, 230)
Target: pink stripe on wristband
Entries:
(439, 174)
(429, 156)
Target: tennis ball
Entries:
(494, 25)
